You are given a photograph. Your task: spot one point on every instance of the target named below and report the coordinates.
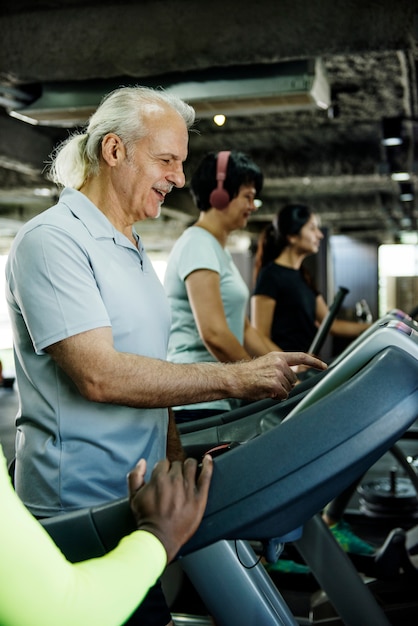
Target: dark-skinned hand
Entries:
(171, 505)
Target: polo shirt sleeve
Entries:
(41, 588)
(54, 286)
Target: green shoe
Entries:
(287, 567)
(348, 540)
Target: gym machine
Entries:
(261, 490)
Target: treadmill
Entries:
(261, 490)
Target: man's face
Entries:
(154, 165)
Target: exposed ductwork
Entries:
(241, 90)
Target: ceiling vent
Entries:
(240, 90)
(264, 89)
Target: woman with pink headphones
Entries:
(208, 296)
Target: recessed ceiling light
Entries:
(219, 119)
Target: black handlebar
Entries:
(323, 330)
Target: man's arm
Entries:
(102, 374)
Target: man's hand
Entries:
(303, 360)
(171, 505)
(272, 375)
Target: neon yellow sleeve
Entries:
(39, 587)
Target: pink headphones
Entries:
(219, 198)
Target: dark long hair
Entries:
(273, 239)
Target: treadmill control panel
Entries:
(403, 328)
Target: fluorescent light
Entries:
(407, 192)
(406, 196)
(392, 131)
(400, 176)
(392, 141)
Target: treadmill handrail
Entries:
(324, 328)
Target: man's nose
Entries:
(177, 177)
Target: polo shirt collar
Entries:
(93, 219)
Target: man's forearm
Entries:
(102, 374)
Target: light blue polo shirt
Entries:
(70, 271)
(197, 249)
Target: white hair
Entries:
(120, 112)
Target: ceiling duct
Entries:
(266, 89)
(240, 90)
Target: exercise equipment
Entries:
(220, 428)
(324, 328)
(389, 496)
(262, 490)
(249, 421)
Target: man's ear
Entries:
(113, 149)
